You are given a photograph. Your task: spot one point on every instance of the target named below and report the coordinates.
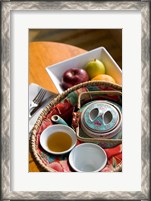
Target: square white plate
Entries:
(56, 71)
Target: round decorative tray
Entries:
(65, 105)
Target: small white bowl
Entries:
(49, 131)
(87, 157)
(56, 71)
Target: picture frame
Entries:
(6, 139)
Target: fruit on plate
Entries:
(94, 68)
(74, 76)
(104, 77)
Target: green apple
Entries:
(94, 68)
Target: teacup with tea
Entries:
(58, 139)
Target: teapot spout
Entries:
(57, 119)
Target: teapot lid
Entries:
(100, 117)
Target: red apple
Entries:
(74, 76)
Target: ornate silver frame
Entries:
(7, 7)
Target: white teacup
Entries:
(58, 139)
(87, 157)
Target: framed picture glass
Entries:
(42, 40)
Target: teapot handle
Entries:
(89, 94)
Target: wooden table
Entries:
(41, 55)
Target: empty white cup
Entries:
(87, 157)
